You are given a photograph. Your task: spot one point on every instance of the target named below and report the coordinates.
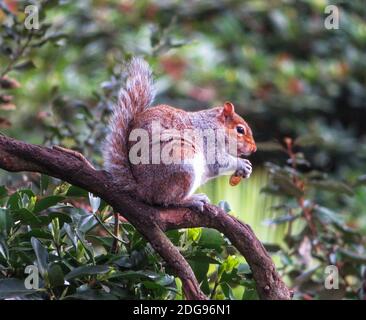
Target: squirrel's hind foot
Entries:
(195, 201)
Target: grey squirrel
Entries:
(174, 183)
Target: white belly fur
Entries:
(198, 164)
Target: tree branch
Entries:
(150, 221)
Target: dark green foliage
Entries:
(317, 236)
(73, 252)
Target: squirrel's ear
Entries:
(228, 109)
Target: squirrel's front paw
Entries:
(245, 169)
(196, 201)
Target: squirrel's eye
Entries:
(240, 129)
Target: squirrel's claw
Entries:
(245, 169)
(196, 201)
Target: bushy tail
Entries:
(137, 95)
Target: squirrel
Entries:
(171, 184)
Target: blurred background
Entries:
(286, 73)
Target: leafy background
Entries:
(300, 86)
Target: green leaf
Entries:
(3, 192)
(50, 38)
(86, 223)
(37, 233)
(56, 275)
(243, 268)
(200, 269)
(47, 202)
(165, 280)
(157, 287)
(85, 244)
(250, 294)
(194, 234)
(200, 256)
(174, 236)
(45, 181)
(211, 239)
(77, 192)
(287, 186)
(229, 264)
(135, 275)
(62, 217)
(269, 146)
(25, 65)
(282, 219)
(309, 140)
(4, 250)
(132, 261)
(87, 271)
(327, 216)
(332, 186)
(361, 180)
(91, 294)
(272, 247)
(10, 288)
(224, 205)
(42, 257)
(14, 201)
(106, 242)
(29, 218)
(161, 284)
(352, 256)
(305, 275)
(272, 190)
(71, 234)
(227, 290)
(6, 222)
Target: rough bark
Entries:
(151, 222)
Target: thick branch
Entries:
(149, 221)
(269, 284)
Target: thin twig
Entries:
(106, 229)
(18, 55)
(114, 248)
